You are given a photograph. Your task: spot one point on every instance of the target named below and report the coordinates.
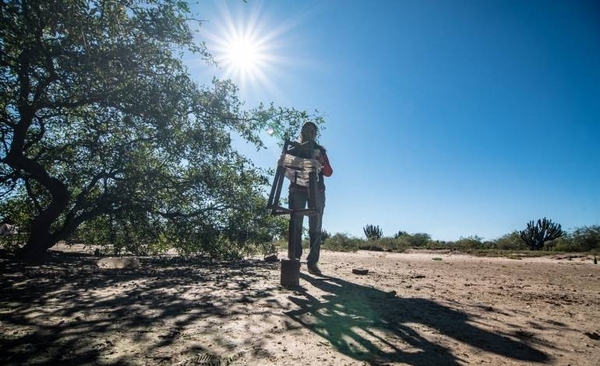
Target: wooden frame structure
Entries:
(298, 169)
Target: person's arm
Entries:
(327, 169)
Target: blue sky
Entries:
(452, 118)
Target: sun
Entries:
(249, 50)
(244, 56)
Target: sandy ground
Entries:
(419, 308)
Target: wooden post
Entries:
(273, 202)
(290, 273)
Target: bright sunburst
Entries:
(243, 55)
(246, 49)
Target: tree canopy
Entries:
(102, 124)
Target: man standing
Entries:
(299, 195)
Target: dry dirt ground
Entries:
(419, 308)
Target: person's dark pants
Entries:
(298, 199)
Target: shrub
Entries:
(325, 235)
(415, 240)
(371, 245)
(562, 244)
(440, 244)
(470, 242)
(384, 244)
(399, 234)
(586, 238)
(342, 243)
(392, 244)
(512, 241)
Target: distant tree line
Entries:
(542, 234)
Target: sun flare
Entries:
(250, 50)
(243, 55)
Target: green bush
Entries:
(470, 242)
(399, 234)
(586, 238)
(562, 244)
(392, 244)
(414, 240)
(512, 241)
(440, 244)
(325, 235)
(342, 243)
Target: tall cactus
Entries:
(373, 232)
(399, 234)
(537, 234)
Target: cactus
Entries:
(373, 232)
(535, 235)
(399, 234)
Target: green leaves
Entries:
(101, 123)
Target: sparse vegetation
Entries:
(471, 242)
(416, 240)
(512, 245)
(342, 243)
(512, 241)
(586, 238)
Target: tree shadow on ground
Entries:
(376, 327)
(70, 312)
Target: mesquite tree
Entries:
(100, 120)
(536, 234)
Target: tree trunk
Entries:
(36, 249)
(41, 238)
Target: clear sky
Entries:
(452, 118)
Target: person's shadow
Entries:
(370, 325)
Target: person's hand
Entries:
(281, 159)
(316, 163)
